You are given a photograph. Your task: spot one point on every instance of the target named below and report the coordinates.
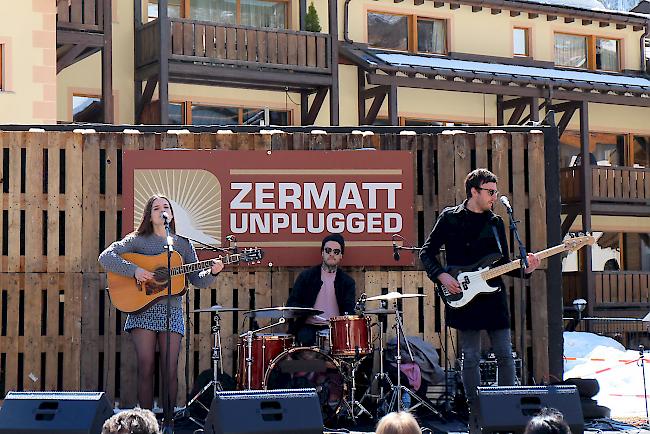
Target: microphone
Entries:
(164, 216)
(504, 200)
(395, 251)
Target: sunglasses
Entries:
(490, 191)
(329, 250)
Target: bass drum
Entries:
(309, 367)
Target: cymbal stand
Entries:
(379, 376)
(249, 348)
(217, 368)
(398, 389)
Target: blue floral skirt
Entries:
(155, 319)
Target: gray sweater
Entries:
(152, 244)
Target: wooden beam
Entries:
(551, 17)
(620, 26)
(586, 22)
(165, 49)
(438, 4)
(515, 102)
(495, 11)
(374, 109)
(453, 6)
(565, 119)
(302, 13)
(418, 2)
(564, 106)
(516, 114)
(515, 13)
(70, 57)
(398, 1)
(333, 22)
(304, 107)
(500, 114)
(586, 178)
(374, 92)
(532, 15)
(361, 100)
(637, 28)
(316, 105)
(107, 65)
(145, 98)
(477, 8)
(392, 105)
(569, 20)
(568, 221)
(603, 24)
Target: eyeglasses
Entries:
(329, 250)
(490, 191)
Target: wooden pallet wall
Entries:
(61, 205)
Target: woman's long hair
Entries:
(146, 227)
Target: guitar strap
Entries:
(496, 236)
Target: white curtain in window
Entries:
(218, 11)
(571, 51)
(261, 13)
(607, 54)
(432, 36)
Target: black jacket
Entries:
(307, 286)
(468, 237)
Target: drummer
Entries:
(324, 287)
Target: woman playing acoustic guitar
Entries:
(148, 327)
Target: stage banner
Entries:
(283, 202)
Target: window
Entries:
(388, 31)
(520, 42)
(407, 33)
(641, 151)
(571, 51)
(587, 52)
(188, 113)
(607, 54)
(256, 13)
(87, 109)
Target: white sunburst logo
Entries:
(195, 196)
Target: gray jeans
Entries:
(470, 345)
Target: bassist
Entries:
(469, 232)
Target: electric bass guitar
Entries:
(473, 278)
(130, 296)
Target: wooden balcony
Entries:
(616, 292)
(610, 185)
(80, 29)
(231, 55)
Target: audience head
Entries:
(398, 423)
(548, 421)
(136, 421)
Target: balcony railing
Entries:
(613, 289)
(85, 15)
(609, 184)
(207, 42)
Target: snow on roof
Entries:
(581, 4)
(496, 68)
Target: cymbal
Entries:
(217, 308)
(282, 312)
(393, 295)
(380, 312)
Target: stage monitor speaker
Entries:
(509, 408)
(54, 412)
(286, 411)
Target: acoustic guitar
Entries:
(473, 278)
(130, 296)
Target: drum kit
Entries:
(339, 366)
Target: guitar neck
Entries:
(203, 265)
(503, 269)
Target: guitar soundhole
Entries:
(159, 282)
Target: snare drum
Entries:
(265, 348)
(350, 335)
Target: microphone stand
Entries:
(523, 264)
(167, 410)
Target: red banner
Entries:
(284, 202)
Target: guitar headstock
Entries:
(578, 241)
(252, 255)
